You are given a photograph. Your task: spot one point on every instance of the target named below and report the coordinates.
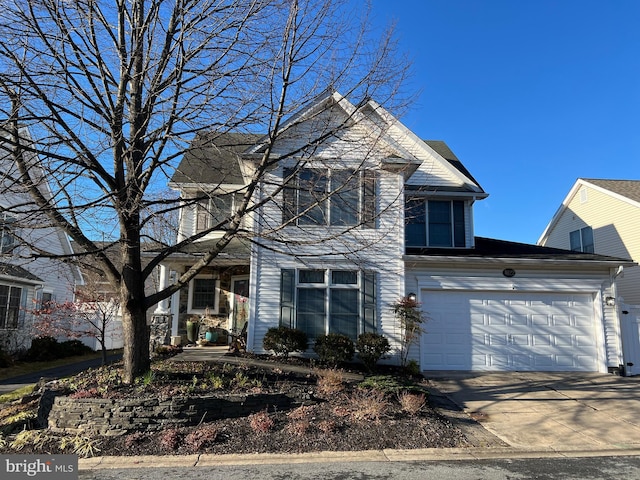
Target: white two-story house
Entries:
(356, 212)
(28, 279)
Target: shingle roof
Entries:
(17, 272)
(492, 248)
(626, 188)
(213, 159)
(445, 152)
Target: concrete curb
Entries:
(418, 455)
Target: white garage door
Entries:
(508, 331)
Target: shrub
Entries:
(334, 348)
(368, 405)
(282, 341)
(412, 403)
(330, 382)
(73, 348)
(169, 439)
(5, 359)
(168, 350)
(412, 368)
(201, 437)
(371, 348)
(261, 422)
(390, 384)
(43, 349)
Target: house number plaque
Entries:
(509, 272)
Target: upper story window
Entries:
(10, 298)
(582, 240)
(335, 197)
(214, 212)
(434, 223)
(7, 238)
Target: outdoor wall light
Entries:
(610, 301)
(412, 297)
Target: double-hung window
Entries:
(7, 238)
(214, 212)
(10, 300)
(335, 197)
(319, 301)
(203, 295)
(434, 223)
(582, 240)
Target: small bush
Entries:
(5, 359)
(412, 403)
(282, 341)
(334, 348)
(168, 350)
(261, 422)
(330, 381)
(298, 428)
(169, 439)
(201, 437)
(43, 349)
(367, 405)
(413, 368)
(327, 426)
(73, 348)
(371, 348)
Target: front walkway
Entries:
(221, 354)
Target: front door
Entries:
(240, 302)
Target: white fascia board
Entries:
(310, 108)
(20, 281)
(439, 282)
(563, 206)
(392, 121)
(431, 260)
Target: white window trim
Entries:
(213, 310)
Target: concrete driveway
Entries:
(549, 411)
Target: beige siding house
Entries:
(603, 217)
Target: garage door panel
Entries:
(509, 331)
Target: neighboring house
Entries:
(492, 305)
(603, 217)
(27, 283)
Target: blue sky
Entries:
(529, 94)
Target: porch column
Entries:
(162, 308)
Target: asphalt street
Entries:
(592, 468)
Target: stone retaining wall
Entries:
(118, 416)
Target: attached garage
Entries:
(484, 330)
(504, 306)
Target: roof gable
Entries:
(624, 190)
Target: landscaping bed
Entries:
(332, 410)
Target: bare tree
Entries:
(112, 92)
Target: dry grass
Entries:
(412, 403)
(330, 381)
(368, 405)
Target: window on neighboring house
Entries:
(582, 240)
(46, 298)
(7, 234)
(214, 212)
(203, 295)
(10, 300)
(337, 197)
(328, 301)
(434, 223)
